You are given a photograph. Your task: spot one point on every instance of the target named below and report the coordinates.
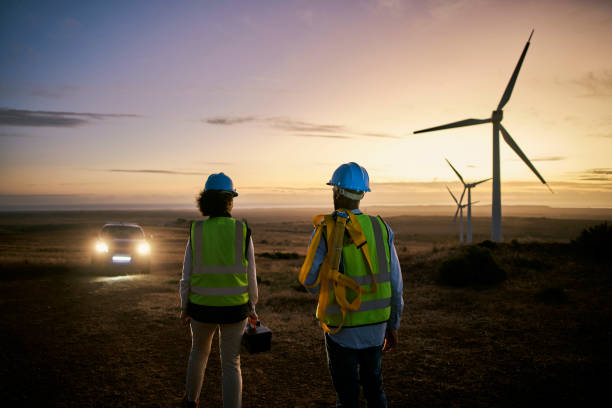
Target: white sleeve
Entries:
(252, 272)
(186, 277)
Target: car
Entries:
(122, 245)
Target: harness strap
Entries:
(329, 272)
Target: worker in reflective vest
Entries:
(218, 289)
(353, 266)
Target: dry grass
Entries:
(73, 339)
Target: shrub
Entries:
(595, 241)
(488, 244)
(474, 265)
(528, 263)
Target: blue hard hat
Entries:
(351, 176)
(221, 182)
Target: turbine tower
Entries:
(467, 187)
(495, 119)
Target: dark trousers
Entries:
(350, 368)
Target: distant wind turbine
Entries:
(496, 118)
(467, 187)
(459, 211)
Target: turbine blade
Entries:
(519, 152)
(462, 193)
(481, 181)
(452, 195)
(456, 212)
(474, 202)
(461, 123)
(456, 172)
(506, 97)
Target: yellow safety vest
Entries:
(219, 267)
(362, 294)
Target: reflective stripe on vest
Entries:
(219, 276)
(375, 307)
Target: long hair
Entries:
(215, 203)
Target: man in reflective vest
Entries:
(360, 315)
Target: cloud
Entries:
(595, 179)
(595, 84)
(21, 117)
(323, 136)
(542, 159)
(153, 171)
(424, 186)
(549, 158)
(321, 129)
(598, 174)
(607, 135)
(298, 127)
(10, 134)
(601, 171)
(228, 120)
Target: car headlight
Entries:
(101, 247)
(144, 248)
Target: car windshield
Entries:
(122, 231)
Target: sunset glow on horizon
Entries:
(121, 103)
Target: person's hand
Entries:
(390, 340)
(253, 318)
(185, 318)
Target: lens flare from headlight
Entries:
(101, 247)
(144, 248)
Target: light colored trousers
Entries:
(230, 335)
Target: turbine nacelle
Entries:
(497, 116)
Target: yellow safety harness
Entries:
(329, 272)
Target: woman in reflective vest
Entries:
(218, 289)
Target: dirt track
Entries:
(71, 339)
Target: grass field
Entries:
(72, 337)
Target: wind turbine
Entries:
(467, 187)
(459, 211)
(496, 118)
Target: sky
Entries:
(136, 103)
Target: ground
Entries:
(75, 337)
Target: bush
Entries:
(595, 241)
(535, 264)
(474, 265)
(488, 244)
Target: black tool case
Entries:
(258, 339)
